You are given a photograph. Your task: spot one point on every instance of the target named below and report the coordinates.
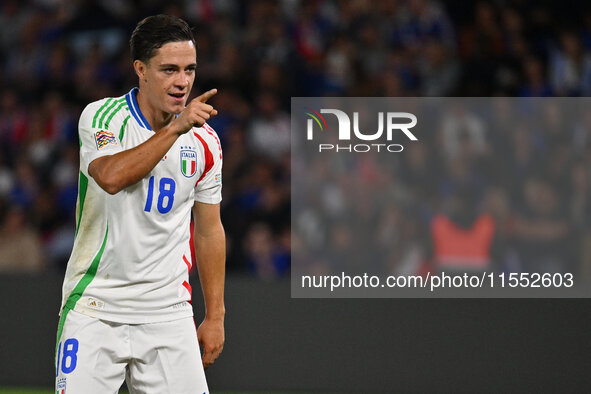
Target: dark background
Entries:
(56, 57)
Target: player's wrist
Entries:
(215, 314)
(172, 129)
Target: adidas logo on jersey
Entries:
(95, 304)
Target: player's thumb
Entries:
(207, 95)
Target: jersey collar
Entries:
(134, 108)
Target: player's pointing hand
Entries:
(196, 113)
(207, 95)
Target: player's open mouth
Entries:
(177, 96)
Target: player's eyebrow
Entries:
(192, 65)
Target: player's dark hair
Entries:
(155, 31)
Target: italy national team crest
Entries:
(188, 163)
(61, 386)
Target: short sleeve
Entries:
(95, 141)
(208, 188)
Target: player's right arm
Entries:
(115, 172)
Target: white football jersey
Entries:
(131, 257)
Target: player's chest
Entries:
(179, 170)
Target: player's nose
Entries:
(182, 81)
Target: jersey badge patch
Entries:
(104, 138)
(61, 386)
(188, 163)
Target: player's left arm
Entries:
(210, 253)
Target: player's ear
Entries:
(140, 69)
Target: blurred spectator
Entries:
(541, 230)
(266, 258)
(6, 180)
(535, 81)
(570, 67)
(463, 134)
(462, 237)
(439, 71)
(339, 65)
(269, 131)
(26, 187)
(20, 248)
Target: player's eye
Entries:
(168, 70)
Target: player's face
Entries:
(170, 74)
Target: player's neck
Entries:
(156, 118)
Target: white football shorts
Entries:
(96, 356)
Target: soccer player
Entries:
(147, 159)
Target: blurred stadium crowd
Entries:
(491, 184)
(57, 56)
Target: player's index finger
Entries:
(207, 95)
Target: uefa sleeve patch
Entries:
(104, 138)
